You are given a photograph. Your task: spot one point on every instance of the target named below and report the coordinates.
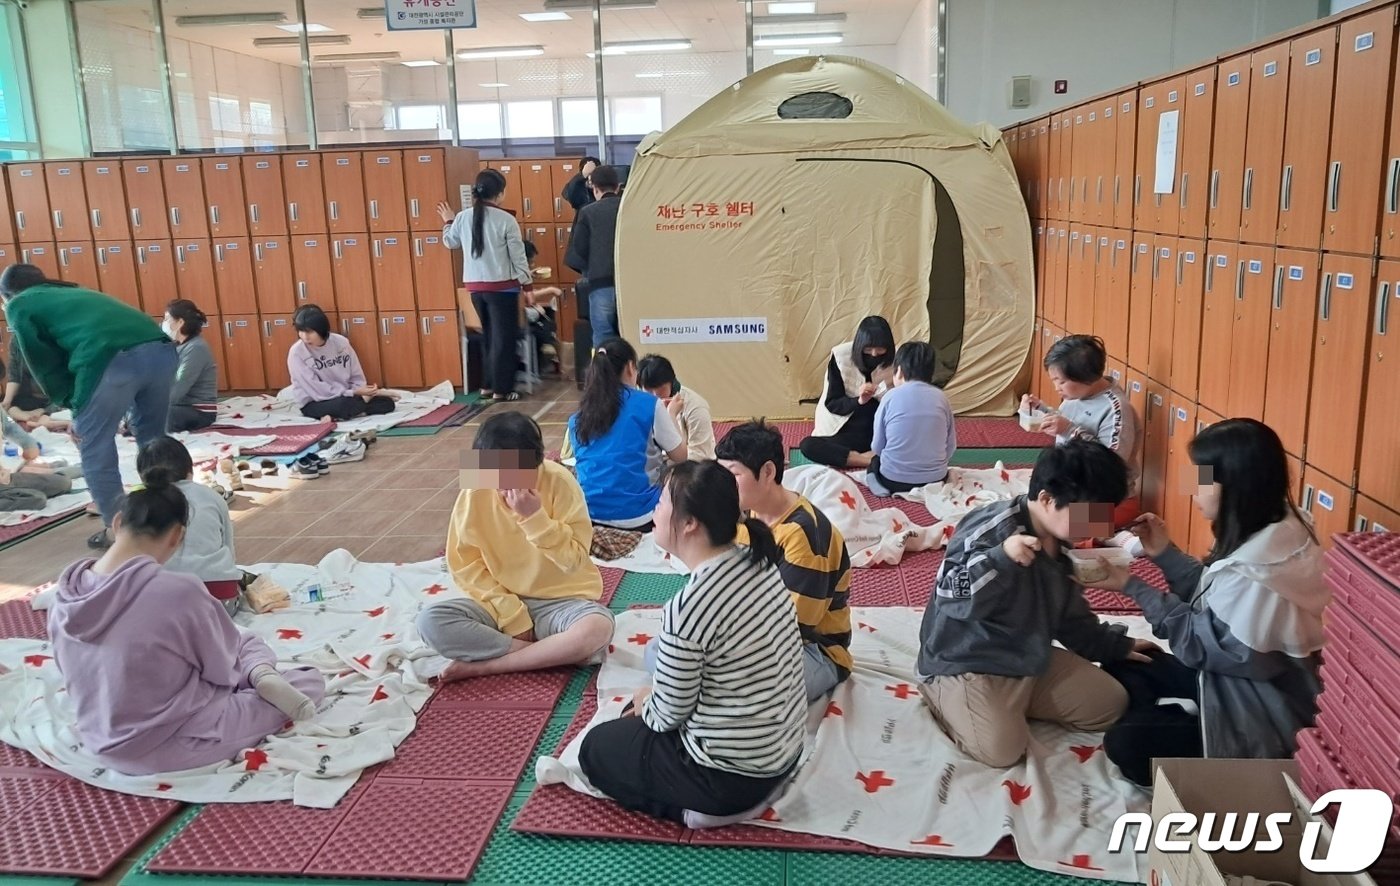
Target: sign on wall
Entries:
(429, 15)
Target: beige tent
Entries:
(757, 232)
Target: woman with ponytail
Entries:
(610, 436)
(194, 397)
(160, 677)
(495, 272)
(720, 729)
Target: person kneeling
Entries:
(160, 677)
(518, 548)
(1004, 593)
(721, 728)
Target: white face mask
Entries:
(168, 328)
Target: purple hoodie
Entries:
(144, 651)
(324, 373)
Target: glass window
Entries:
(530, 119)
(17, 138)
(418, 117)
(120, 58)
(578, 116)
(226, 113)
(635, 115)
(480, 121)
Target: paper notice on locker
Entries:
(1166, 152)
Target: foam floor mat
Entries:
(290, 440)
(437, 417)
(793, 431)
(997, 433)
(10, 535)
(611, 579)
(17, 619)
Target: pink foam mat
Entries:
(1377, 551)
(877, 586)
(489, 744)
(290, 439)
(1359, 588)
(611, 579)
(439, 416)
(9, 534)
(1353, 647)
(535, 690)
(17, 619)
(793, 431)
(997, 433)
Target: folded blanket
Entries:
(268, 411)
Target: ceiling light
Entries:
(313, 39)
(546, 16)
(791, 51)
(421, 63)
(231, 18)
(631, 46)
(493, 85)
(796, 40)
(358, 57)
(367, 12)
(501, 52)
(310, 29)
(806, 7)
(833, 18)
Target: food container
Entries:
(1087, 567)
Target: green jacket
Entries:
(69, 335)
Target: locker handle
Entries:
(1383, 309)
(1113, 258)
(214, 215)
(335, 211)
(1210, 273)
(1308, 493)
(418, 247)
(292, 211)
(413, 208)
(1137, 189)
(1248, 202)
(345, 327)
(19, 218)
(218, 253)
(1239, 281)
(1285, 202)
(384, 326)
(1324, 301)
(267, 329)
(1061, 191)
(175, 216)
(378, 252)
(1180, 258)
(63, 257)
(335, 247)
(102, 256)
(136, 216)
(1156, 262)
(24, 254)
(1278, 288)
(1084, 190)
(97, 218)
(58, 219)
(228, 329)
(141, 255)
(374, 209)
(1133, 267)
(558, 205)
(1214, 188)
(1098, 191)
(424, 322)
(1117, 182)
(257, 252)
(1334, 186)
(527, 206)
(253, 213)
(1185, 180)
(301, 290)
(1392, 198)
(180, 254)
(558, 236)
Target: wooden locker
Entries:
(434, 282)
(1356, 160)
(400, 350)
(311, 263)
(1143, 269)
(567, 314)
(536, 192)
(1117, 371)
(1224, 278)
(1080, 139)
(513, 200)
(1079, 290)
(385, 195)
(1107, 152)
(155, 276)
(345, 192)
(442, 347)
(1378, 476)
(1042, 165)
(77, 263)
(68, 202)
(1329, 502)
(264, 196)
(1263, 149)
(1150, 100)
(1065, 186)
(29, 198)
(1099, 282)
(561, 172)
(1036, 387)
(1312, 64)
(1162, 311)
(274, 286)
(1389, 238)
(145, 199)
(224, 196)
(1111, 293)
(278, 336)
(352, 271)
(1180, 477)
(1167, 207)
(425, 185)
(184, 198)
(362, 329)
(243, 353)
(1053, 185)
(542, 236)
(301, 178)
(1226, 187)
(1193, 177)
(7, 218)
(214, 334)
(194, 275)
(393, 272)
(1060, 306)
(106, 199)
(1053, 271)
(563, 236)
(1249, 351)
(1339, 365)
(1185, 359)
(116, 271)
(41, 255)
(1293, 315)
(1156, 422)
(1201, 535)
(1125, 159)
(1372, 516)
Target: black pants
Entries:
(855, 436)
(1149, 730)
(500, 326)
(652, 772)
(188, 418)
(895, 485)
(345, 408)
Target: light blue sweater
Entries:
(914, 434)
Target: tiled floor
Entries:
(391, 507)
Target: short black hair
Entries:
(586, 160)
(19, 277)
(753, 444)
(512, 431)
(164, 461)
(310, 318)
(604, 178)
(1079, 358)
(531, 250)
(655, 371)
(915, 359)
(1080, 471)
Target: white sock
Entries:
(274, 689)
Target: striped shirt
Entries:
(817, 569)
(729, 669)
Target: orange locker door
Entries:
(1354, 168)
(243, 353)
(1372, 516)
(1143, 269)
(1180, 477)
(1111, 293)
(214, 334)
(42, 255)
(1151, 103)
(145, 199)
(1304, 186)
(77, 263)
(563, 235)
(384, 191)
(442, 347)
(425, 182)
(311, 263)
(274, 286)
(301, 176)
(345, 192)
(1060, 306)
(393, 272)
(68, 203)
(1052, 179)
(546, 256)
(362, 329)
(1224, 280)
(1107, 159)
(1390, 205)
(1125, 158)
(1329, 502)
(1099, 282)
(29, 197)
(184, 198)
(1226, 188)
(561, 172)
(1186, 317)
(1263, 149)
(536, 191)
(116, 272)
(1339, 365)
(352, 272)
(1079, 293)
(1198, 116)
(1156, 422)
(1201, 536)
(106, 200)
(1378, 476)
(512, 200)
(1249, 353)
(1064, 188)
(1167, 206)
(1291, 327)
(264, 196)
(567, 314)
(194, 274)
(1042, 165)
(278, 336)
(155, 275)
(401, 350)
(433, 280)
(7, 219)
(226, 202)
(1080, 138)
(1162, 311)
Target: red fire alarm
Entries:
(1061, 87)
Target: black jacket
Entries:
(577, 192)
(591, 247)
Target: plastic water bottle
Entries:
(11, 449)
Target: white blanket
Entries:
(364, 643)
(967, 489)
(877, 768)
(280, 411)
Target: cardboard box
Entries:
(1238, 786)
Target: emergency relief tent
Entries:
(757, 232)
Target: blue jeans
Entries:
(819, 673)
(136, 380)
(602, 314)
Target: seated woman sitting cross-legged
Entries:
(327, 381)
(518, 547)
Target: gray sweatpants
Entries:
(27, 491)
(462, 629)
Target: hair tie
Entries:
(598, 351)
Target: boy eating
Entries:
(914, 432)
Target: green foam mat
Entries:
(549, 740)
(573, 691)
(18, 880)
(812, 868)
(796, 459)
(648, 589)
(988, 457)
(410, 432)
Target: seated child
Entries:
(812, 556)
(657, 377)
(327, 381)
(206, 550)
(160, 677)
(539, 316)
(518, 549)
(721, 727)
(30, 486)
(1004, 593)
(914, 433)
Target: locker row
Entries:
(1295, 144)
(225, 196)
(534, 188)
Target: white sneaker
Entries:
(344, 450)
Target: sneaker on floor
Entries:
(100, 541)
(316, 462)
(345, 451)
(302, 470)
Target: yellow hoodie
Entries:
(497, 558)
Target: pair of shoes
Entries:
(345, 450)
(365, 437)
(309, 467)
(101, 540)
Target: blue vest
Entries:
(613, 468)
